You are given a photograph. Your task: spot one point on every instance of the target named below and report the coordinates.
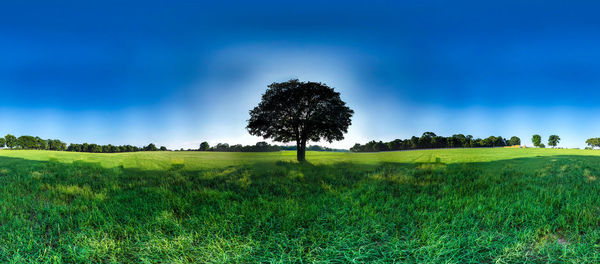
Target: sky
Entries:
(177, 73)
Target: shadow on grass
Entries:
(146, 189)
(45, 197)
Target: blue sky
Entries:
(177, 73)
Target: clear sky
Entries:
(177, 73)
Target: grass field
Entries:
(435, 206)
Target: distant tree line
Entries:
(258, 147)
(95, 148)
(224, 147)
(314, 148)
(430, 140)
(30, 142)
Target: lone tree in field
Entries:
(553, 140)
(301, 112)
(592, 142)
(537, 140)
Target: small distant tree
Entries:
(204, 146)
(553, 140)
(514, 140)
(163, 148)
(537, 140)
(150, 147)
(2, 142)
(11, 141)
(541, 145)
(593, 142)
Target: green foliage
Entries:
(150, 147)
(2, 142)
(536, 140)
(300, 112)
(41, 143)
(593, 142)
(514, 140)
(28, 142)
(553, 140)
(258, 147)
(430, 206)
(204, 146)
(11, 141)
(431, 140)
(85, 147)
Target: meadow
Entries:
(428, 206)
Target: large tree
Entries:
(553, 140)
(301, 112)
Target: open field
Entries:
(455, 205)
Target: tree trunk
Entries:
(301, 150)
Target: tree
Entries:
(42, 143)
(537, 140)
(11, 141)
(2, 142)
(95, 148)
(223, 147)
(163, 148)
(469, 141)
(514, 140)
(553, 140)
(593, 142)
(150, 147)
(27, 142)
(301, 112)
(204, 146)
(426, 140)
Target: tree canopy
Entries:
(514, 140)
(204, 146)
(593, 142)
(553, 140)
(431, 140)
(11, 141)
(536, 140)
(301, 112)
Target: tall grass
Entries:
(456, 206)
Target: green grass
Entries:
(430, 206)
